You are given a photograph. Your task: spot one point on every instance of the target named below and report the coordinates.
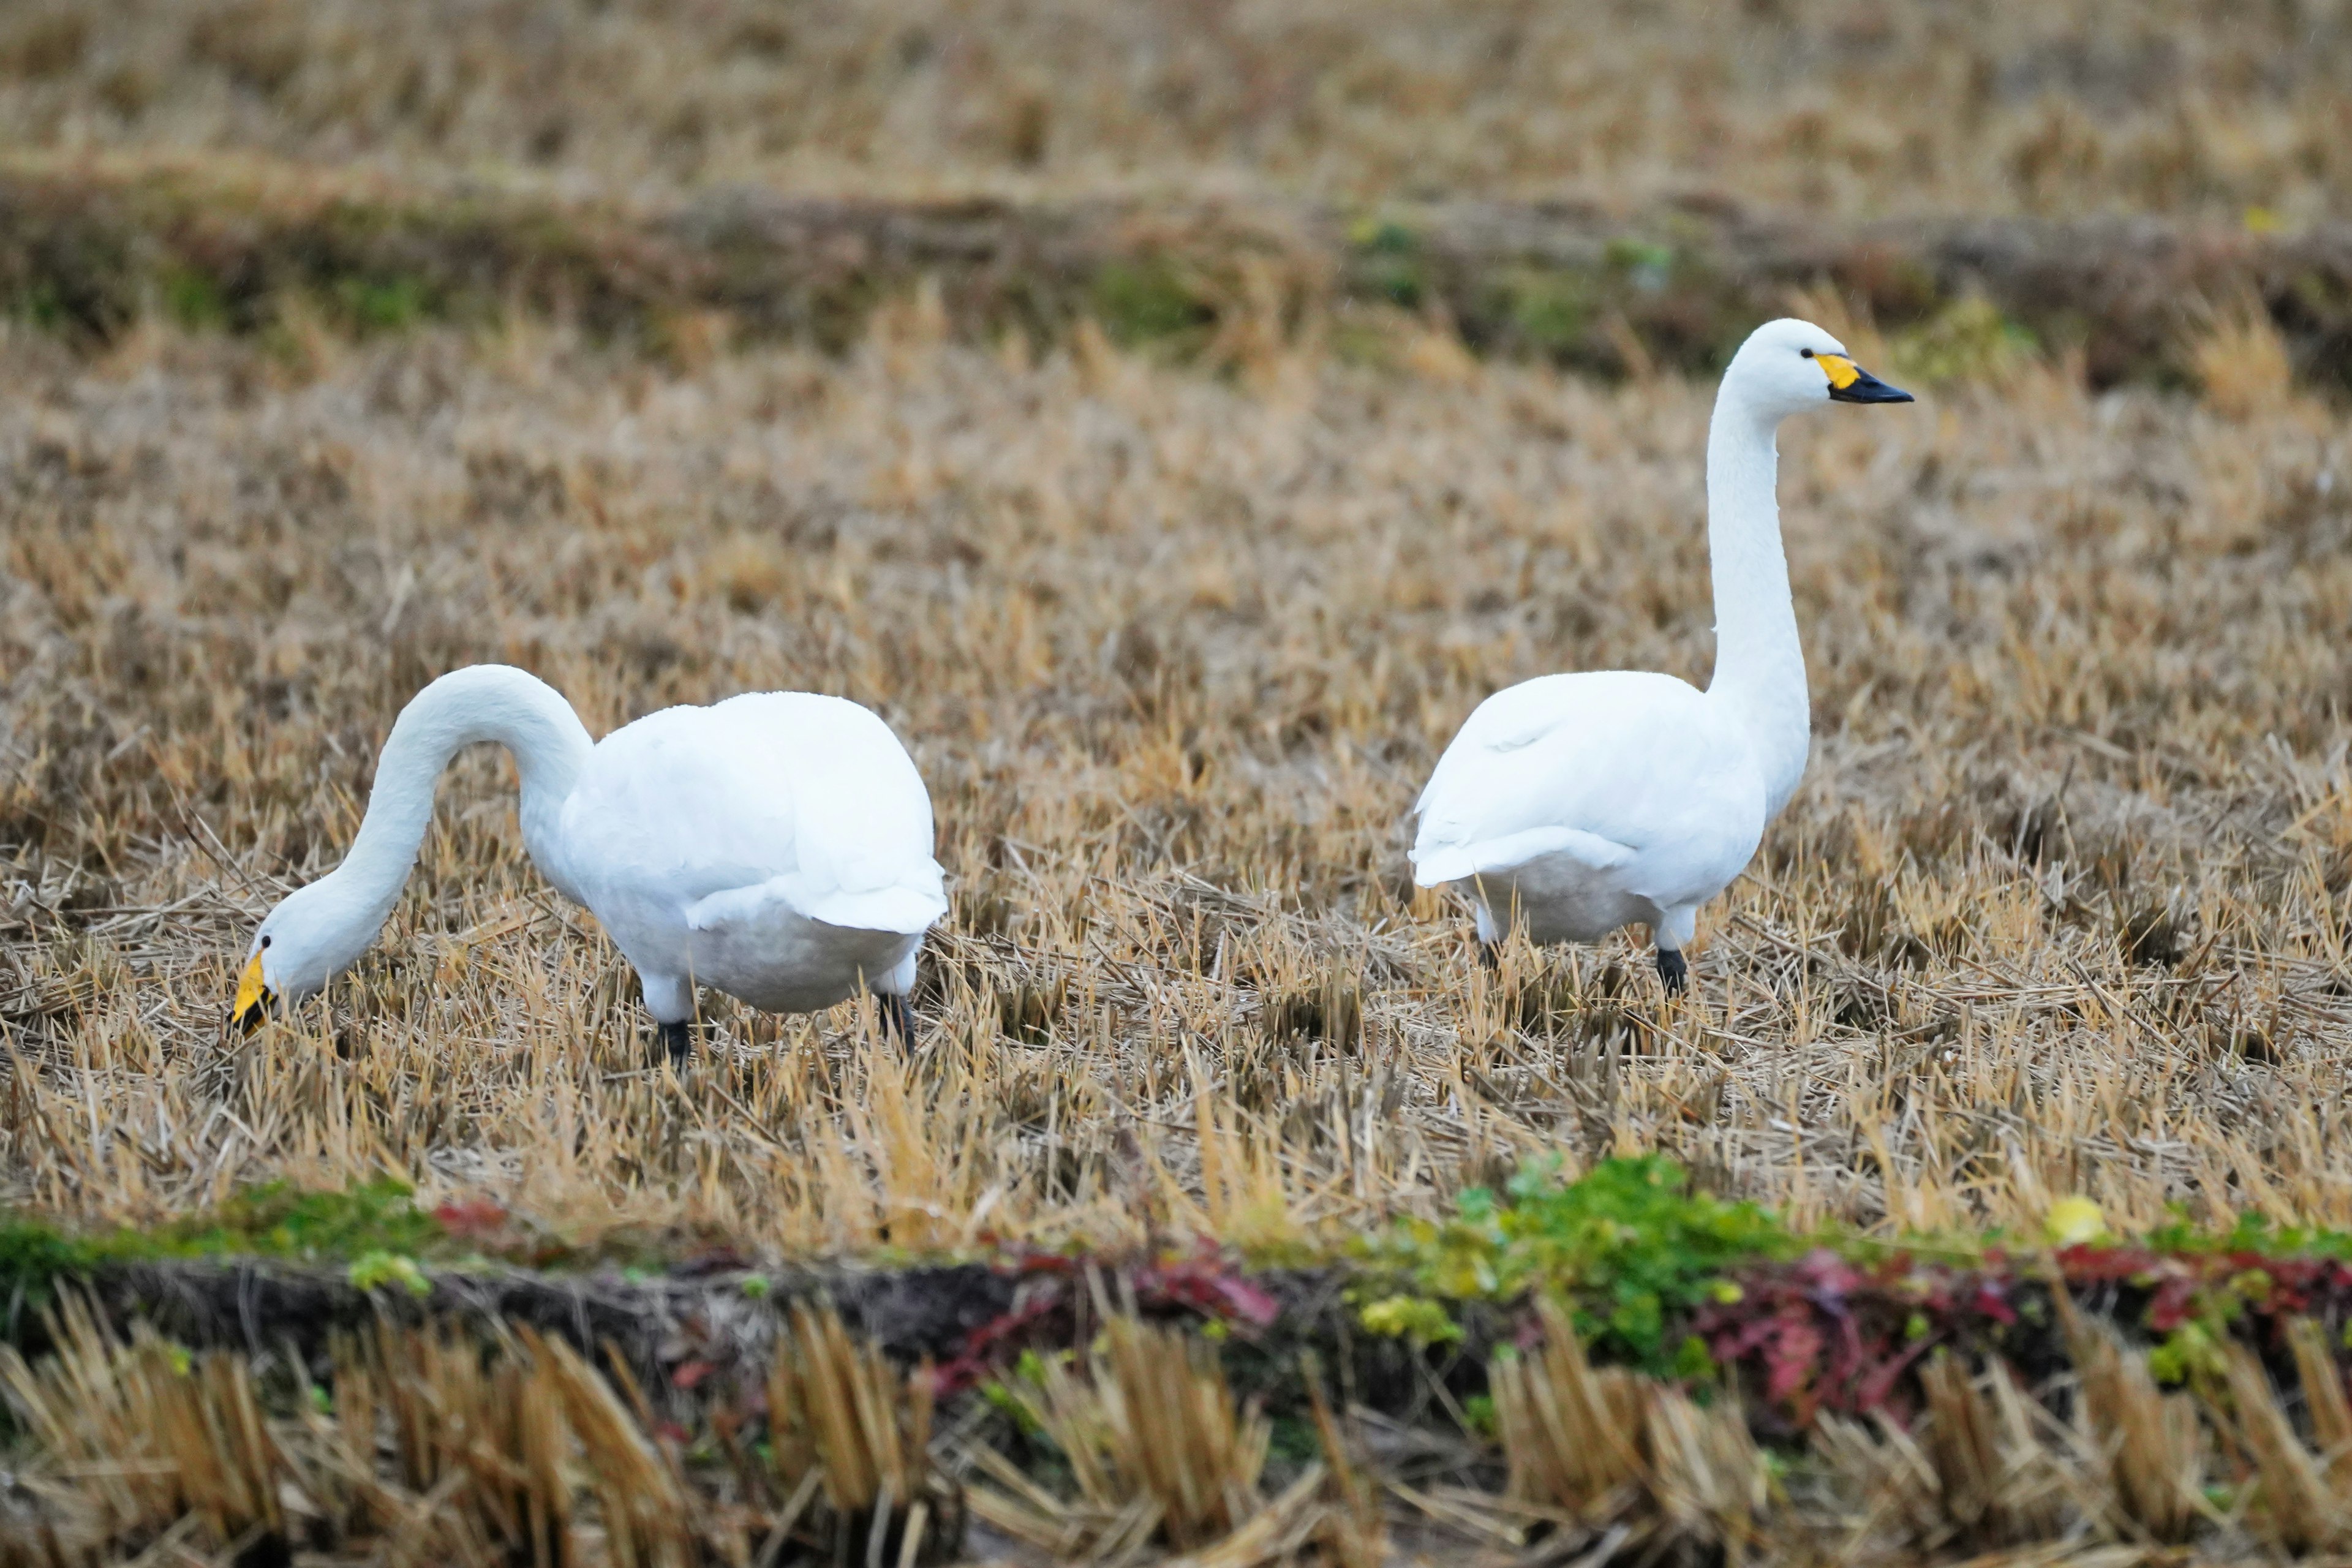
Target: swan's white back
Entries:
(1634, 777)
(806, 800)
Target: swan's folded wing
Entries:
(771, 797)
(1435, 864)
(1606, 766)
(901, 909)
(861, 823)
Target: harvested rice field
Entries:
(1986, 1196)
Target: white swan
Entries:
(1578, 803)
(776, 847)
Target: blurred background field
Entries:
(1825, 106)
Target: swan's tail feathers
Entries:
(1435, 865)
(1435, 868)
(910, 912)
(908, 908)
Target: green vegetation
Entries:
(1144, 302)
(192, 300)
(382, 304)
(376, 1227)
(2251, 1233)
(86, 257)
(1632, 1246)
(1388, 263)
(1550, 311)
(1969, 339)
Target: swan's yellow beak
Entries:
(1849, 383)
(253, 998)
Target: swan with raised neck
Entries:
(776, 845)
(1571, 805)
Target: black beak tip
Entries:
(1867, 388)
(246, 1022)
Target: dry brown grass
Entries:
(422, 1444)
(1156, 1449)
(2060, 907)
(1816, 105)
(1589, 1448)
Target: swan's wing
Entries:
(782, 797)
(1609, 767)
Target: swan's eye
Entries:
(1807, 352)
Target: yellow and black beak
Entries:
(254, 998)
(1849, 383)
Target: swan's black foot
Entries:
(1490, 957)
(898, 1019)
(677, 1040)
(1674, 972)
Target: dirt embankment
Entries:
(89, 253)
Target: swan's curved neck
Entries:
(483, 702)
(1759, 666)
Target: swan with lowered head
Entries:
(1572, 805)
(776, 847)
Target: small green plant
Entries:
(1630, 1245)
(2190, 1352)
(1414, 1318)
(374, 1270)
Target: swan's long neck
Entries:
(484, 702)
(1759, 666)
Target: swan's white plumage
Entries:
(1572, 805)
(776, 845)
(1615, 795)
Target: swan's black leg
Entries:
(898, 1019)
(1672, 970)
(677, 1039)
(1490, 956)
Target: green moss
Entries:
(279, 1221)
(32, 1256)
(379, 1220)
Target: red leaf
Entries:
(476, 1219)
(1791, 1358)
